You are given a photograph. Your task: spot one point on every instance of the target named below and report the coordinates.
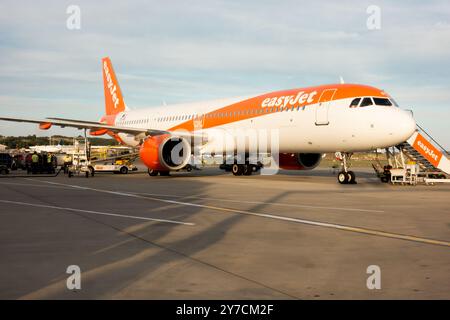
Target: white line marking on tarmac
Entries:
(280, 204)
(276, 217)
(32, 185)
(96, 212)
(260, 202)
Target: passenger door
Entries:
(322, 107)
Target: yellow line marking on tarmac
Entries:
(95, 212)
(276, 217)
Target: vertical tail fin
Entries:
(113, 95)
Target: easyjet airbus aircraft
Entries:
(307, 121)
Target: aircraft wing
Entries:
(91, 125)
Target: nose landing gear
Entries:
(345, 176)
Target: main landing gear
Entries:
(154, 173)
(243, 169)
(244, 165)
(345, 176)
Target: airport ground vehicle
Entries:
(6, 160)
(308, 122)
(118, 166)
(80, 166)
(4, 169)
(13, 161)
(19, 161)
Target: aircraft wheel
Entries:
(152, 173)
(248, 170)
(226, 167)
(351, 177)
(237, 169)
(342, 177)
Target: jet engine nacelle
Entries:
(299, 161)
(165, 152)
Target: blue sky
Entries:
(180, 51)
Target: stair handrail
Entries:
(429, 136)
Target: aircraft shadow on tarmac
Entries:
(133, 260)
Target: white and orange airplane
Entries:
(308, 122)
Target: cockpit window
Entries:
(366, 102)
(382, 102)
(355, 102)
(394, 102)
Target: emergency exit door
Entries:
(322, 108)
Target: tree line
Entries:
(32, 140)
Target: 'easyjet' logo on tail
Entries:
(111, 86)
(425, 148)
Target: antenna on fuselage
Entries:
(341, 80)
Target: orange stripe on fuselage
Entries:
(253, 107)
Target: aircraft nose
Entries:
(406, 124)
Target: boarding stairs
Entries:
(410, 152)
(422, 148)
(430, 160)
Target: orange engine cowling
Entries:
(45, 125)
(165, 152)
(299, 161)
(98, 132)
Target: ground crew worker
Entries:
(49, 163)
(67, 163)
(28, 162)
(34, 162)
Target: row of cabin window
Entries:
(361, 102)
(216, 115)
(369, 101)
